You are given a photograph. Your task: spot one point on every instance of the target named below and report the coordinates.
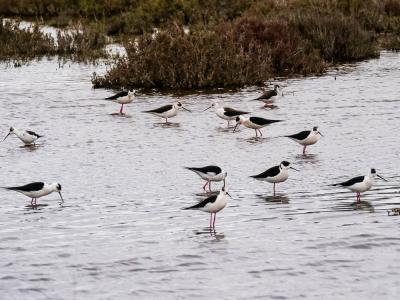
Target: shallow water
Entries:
(121, 233)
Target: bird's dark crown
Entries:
(373, 171)
(58, 187)
(179, 104)
(11, 129)
(315, 128)
(237, 119)
(285, 163)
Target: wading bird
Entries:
(360, 184)
(306, 138)
(210, 173)
(36, 190)
(122, 98)
(275, 174)
(212, 205)
(226, 113)
(267, 95)
(167, 111)
(26, 136)
(254, 123)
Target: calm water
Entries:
(122, 234)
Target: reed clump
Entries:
(18, 44)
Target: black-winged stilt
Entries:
(360, 184)
(267, 95)
(306, 138)
(36, 190)
(212, 205)
(122, 98)
(26, 136)
(210, 173)
(167, 111)
(254, 123)
(226, 113)
(275, 174)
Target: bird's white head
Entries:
(131, 93)
(276, 88)
(12, 130)
(316, 131)
(214, 105)
(373, 174)
(56, 187)
(178, 105)
(224, 192)
(285, 165)
(239, 120)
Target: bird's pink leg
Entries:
(260, 132)
(215, 217)
(304, 149)
(204, 186)
(32, 201)
(211, 215)
(358, 197)
(122, 107)
(274, 189)
(256, 132)
(228, 123)
(209, 186)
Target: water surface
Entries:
(121, 233)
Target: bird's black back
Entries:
(267, 95)
(33, 133)
(300, 136)
(262, 121)
(203, 203)
(161, 109)
(118, 95)
(271, 172)
(31, 187)
(207, 169)
(230, 112)
(352, 181)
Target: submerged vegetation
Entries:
(211, 43)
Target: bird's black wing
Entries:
(230, 112)
(262, 121)
(34, 186)
(203, 203)
(267, 95)
(271, 172)
(33, 133)
(118, 95)
(300, 136)
(351, 181)
(161, 109)
(207, 169)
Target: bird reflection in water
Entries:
(212, 232)
(279, 198)
(362, 205)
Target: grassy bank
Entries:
(230, 43)
(21, 45)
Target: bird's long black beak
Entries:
(186, 109)
(234, 129)
(62, 200)
(293, 169)
(6, 136)
(320, 133)
(229, 195)
(207, 108)
(381, 177)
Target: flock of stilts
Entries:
(216, 202)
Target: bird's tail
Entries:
(335, 184)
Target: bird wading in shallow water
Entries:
(167, 111)
(210, 173)
(26, 136)
(122, 98)
(360, 184)
(267, 95)
(36, 190)
(254, 123)
(212, 205)
(306, 138)
(226, 113)
(275, 174)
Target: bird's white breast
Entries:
(282, 176)
(215, 207)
